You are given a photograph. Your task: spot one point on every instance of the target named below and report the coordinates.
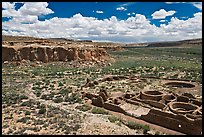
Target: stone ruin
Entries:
(181, 113)
(51, 53)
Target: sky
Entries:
(126, 22)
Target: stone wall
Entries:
(176, 122)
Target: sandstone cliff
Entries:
(49, 53)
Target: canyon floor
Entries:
(46, 98)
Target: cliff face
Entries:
(49, 54)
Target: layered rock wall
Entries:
(49, 54)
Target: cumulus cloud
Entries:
(7, 5)
(121, 9)
(136, 28)
(98, 11)
(35, 8)
(29, 12)
(161, 14)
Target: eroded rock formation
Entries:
(48, 54)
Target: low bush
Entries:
(96, 110)
(84, 107)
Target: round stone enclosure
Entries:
(182, 99)
(182, 107)
(180, 84)
(151, 95)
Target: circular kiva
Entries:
(182, 107)
(182, 99)
(168, 98)
(151, 95)
(179, 84)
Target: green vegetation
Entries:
(96, 110)
(61, 82)
(152, 61)
(84, 107)
(41, 111)
(134, 125)
(27, 112)
(65, 91)
(113, 119)
(74, 98)
(23, 120)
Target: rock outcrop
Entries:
(48, 54)
(8, 54)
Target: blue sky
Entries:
(104, 21)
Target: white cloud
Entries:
(184, 17)
(134, 29)
(98, 11)
(9, 9)
(35, 8)
(7, 5)
(173, 2)
(197, 5)
(28, 9)
(121, 9)
(161, 14)
(128, 4)
(130, 13)
(162, 21)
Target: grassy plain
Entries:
(28, 92)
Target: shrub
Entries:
(133, 125)
(65, 91)
(74, 98)
(23, 97)
(26, 103)
(84, 107)
(113, 119)
(42, 111)
(145, 129)
(40, 106)
(58, 100)
(96, 110)
(23, 120)
(27, 113)
(60, 84)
